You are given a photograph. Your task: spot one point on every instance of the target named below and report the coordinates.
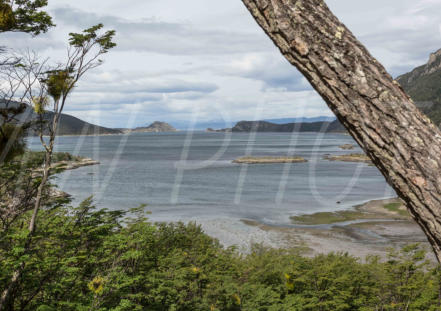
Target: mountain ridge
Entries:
(423, 85)
(69, 125)
(264, 126)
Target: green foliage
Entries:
(86, 47)
(59, 83)
(40, 104)
(82, 259)
(7, 18)
(24, 16)
(90, 36)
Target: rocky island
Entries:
(353, 157)
(347, 147)
(269, 160)
(155, 127)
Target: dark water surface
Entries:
(188, 175)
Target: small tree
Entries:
(85, 50)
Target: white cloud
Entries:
(175, 58)
(152, 35)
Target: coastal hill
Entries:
(68, 125)
(423, 84)
(265, 126)
(155, 127)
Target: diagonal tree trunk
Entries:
(402, 142)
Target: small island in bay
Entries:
(268, 160)
(155, 127)
(353, 157)
(347, 147)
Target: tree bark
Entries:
(402, 142)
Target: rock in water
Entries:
(347, 147)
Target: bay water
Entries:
(190, 175)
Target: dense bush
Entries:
(87, 259)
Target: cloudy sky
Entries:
(203, 60)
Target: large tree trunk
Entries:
(401, 141)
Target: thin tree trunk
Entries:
(39, 197)
(402, 142)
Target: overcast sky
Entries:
(177, 60)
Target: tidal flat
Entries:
(373, 228)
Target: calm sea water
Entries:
(185, 175)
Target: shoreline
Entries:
(72, 165)
(377, 234)
(181, 131)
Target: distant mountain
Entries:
(155, 127)
(264, 126)
(202, 125)
(423, 84)
(221, 124)
(301, 120)
(68, 125)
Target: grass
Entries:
(326, 218)
(395, 207)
